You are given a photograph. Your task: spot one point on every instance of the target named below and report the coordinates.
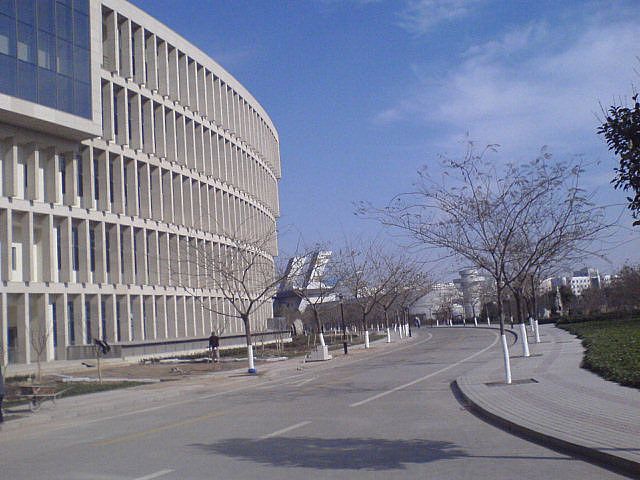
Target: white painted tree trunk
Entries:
(322, 339)
(505, 355)
(388, 335)
(252, 367)
(537, 328)
(400, 332)
(523, 339)
(366, 339)
(488, 320)
(531, 326)
(475, 321)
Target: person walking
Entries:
(214, 347)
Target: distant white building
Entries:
(579, 281)
(444, 294)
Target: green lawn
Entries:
(612, 348)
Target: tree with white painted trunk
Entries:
(319, 284)
(476, 209)
(239, 267)
(365, 280)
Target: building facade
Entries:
(123, 147)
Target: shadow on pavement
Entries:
(338, 453)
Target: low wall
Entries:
(171, 346)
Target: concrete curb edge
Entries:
(606, 460)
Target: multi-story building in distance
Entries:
(120, 144)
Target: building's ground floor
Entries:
(58, 322)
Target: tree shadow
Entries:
(336, 453)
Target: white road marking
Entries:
(154, 475)
(285, 430)
(299, 384)
(421, 379)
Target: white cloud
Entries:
(532, 86)
(420, 16)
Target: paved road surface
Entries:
(388, 413)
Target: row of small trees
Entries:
(517, 223)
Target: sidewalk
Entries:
(565, 407)
(126, 401)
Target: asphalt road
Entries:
(388, 413)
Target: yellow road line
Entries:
(143, 433)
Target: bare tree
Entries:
(39, 335)
(367, 276)
(240, 268)
(481, 211)
(315, 282)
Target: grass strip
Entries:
(612, 348)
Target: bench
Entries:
(36, 395)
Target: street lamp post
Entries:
(344, 327)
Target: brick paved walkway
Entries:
(566, 407)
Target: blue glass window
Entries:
(64, 64)
(65, 93)
(27, 81)
(63, 21)
(47, 88)
(27, 11)
(46, 51)
(8, 7)
(51, 41)
(80, 29)
(46, 17)
(7, 36)
(81, 69)
(26, 43)
(81, 6)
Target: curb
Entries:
(606, 460)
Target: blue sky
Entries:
(364, 92)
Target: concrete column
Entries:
(153, 259)
(4, 326)
(84, 270)
(126, 57)
(23, 343)
(110, 317)
(167, 196)
(145, 190)
(63, 328)
(110, 50)
(172, 324)
(148, 140)
(140, 257)
(174, 83)
(128, 254)
(115, 248)
(108, 120)
(163, 68)
(192, 80)
(156, 197)
(131, 186)
(151, 58)
(47, 312)
(50, 254)
(139, 56)
(28, 261)
(151, 332)
(71, 179)
(104, 199)
(64, 275)
(159, 130)
(100, 273)
(88, 199)
(6, 241)
(136, 121)
(119, 186)
(122, 117)
(49, 163)
(161, 316)
(137, 319)
(170, 135)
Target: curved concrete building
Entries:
(120, 144)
